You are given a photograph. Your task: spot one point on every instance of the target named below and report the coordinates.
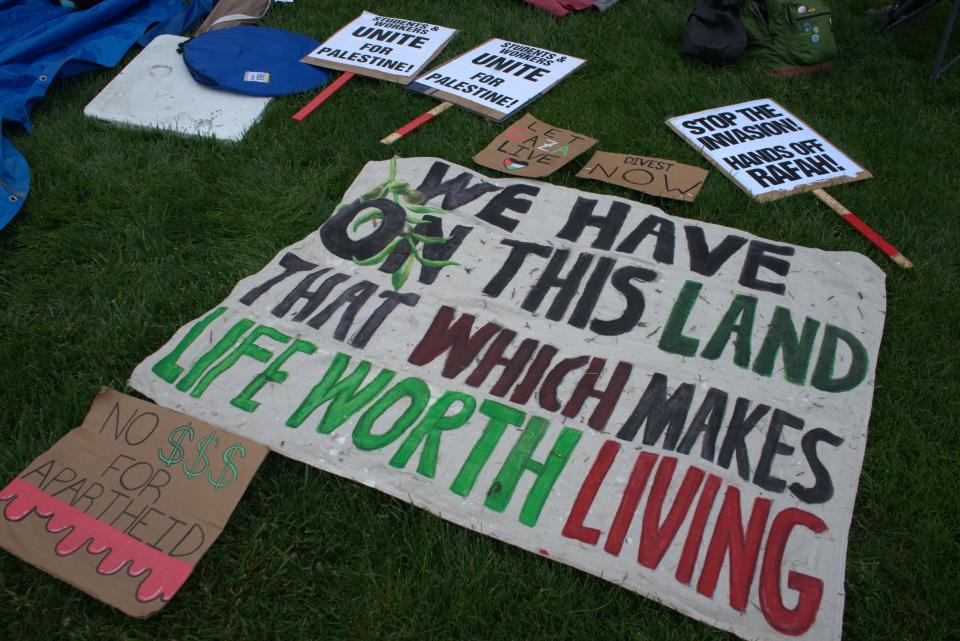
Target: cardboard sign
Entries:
(654, 176)
(533, 149)
(677, 407)
(498, 78)
(766, 150)
(124, 506)
(391, 49)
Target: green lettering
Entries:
(346, 400)
(273, 373)
(520, 459)
(218, 350)
(167, 367)
(499, 416)
(738, 320)
(782, 335)
(823, 378)
(435, 421)
(247, 347)
(672, 340)
(412, 388)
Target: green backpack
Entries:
(785, 34)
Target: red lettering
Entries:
(512, 366)
(798, 620)
(654, 537)
(548, 393)
(608, 397)
(628, 502)
(523, 391)
(574, 527)
(456, 339)
(517, 134)
(743, 548)
(691, 547)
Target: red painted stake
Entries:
(328, 91)
(416, 122)
(863, 228)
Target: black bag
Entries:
(715, 32)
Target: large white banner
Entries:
(676, 407)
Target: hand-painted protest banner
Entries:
(532, 148)
(124, 506)
(766, 150)
(677, 407)
(498, 78)
(391, 49)
(654, 176)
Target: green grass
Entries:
(129, 234)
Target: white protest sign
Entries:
(392, 49)
(677, 407)
(497, 78)
(766, 150)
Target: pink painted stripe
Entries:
(164, 574)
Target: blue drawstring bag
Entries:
(257, 61)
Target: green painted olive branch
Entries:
(411, 200)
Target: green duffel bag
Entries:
(787, 34)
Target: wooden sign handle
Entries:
(863, 228)
(328, 91)
(416, 122)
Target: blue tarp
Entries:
(41, 41)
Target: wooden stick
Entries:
(328, 91)
(416, 122)
(863, 228)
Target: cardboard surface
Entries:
(124, 506)
(654, 176)
(393, 49)
(531, 148)
(155, 90)
(766, 150)
(677, 407)
(498, 78)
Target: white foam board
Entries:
(155, 90)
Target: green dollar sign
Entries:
(228, 455)
(201, 456)
(176, 440)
